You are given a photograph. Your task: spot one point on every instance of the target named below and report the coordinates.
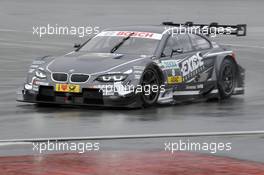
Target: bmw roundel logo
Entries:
(72, 70)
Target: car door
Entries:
(195, 70)
(185, 66)
(202, 62)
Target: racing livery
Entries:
(135, 66)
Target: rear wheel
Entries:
(226, 80)
(150, 83)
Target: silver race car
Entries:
(135, 66)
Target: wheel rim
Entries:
(228, 79)
(149, 79)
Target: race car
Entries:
(139, 66)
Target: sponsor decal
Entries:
(148, 35)
(191, 66)
(139, 67)
(173, 73)
(191, 87)
(138, 71)
(137, 76)
(40, 83)
(170, 64)
(174, 79)
(68, 88)
(35, 88)
(94, 86)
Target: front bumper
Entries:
(88, 97)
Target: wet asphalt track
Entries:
(18, 47)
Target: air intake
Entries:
(79, 78)
(61, 77)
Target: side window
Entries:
(185, 42)
(177, 42)
(171, 44)
(199, 42)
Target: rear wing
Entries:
(213, 28)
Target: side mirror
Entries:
(76, 46)
(179, 50)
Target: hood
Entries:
(89, 63)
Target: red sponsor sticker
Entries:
(136, 34)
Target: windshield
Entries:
(142, 43)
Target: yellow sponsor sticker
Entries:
(174, 79)
(73, 88)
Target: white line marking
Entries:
(16, 143)
(143, 136)
(34, 42)
(31, 46)
(12, 30)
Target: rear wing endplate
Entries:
(238, 30)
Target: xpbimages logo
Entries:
(55, 146)
(187, 145)
(205, 30)
(80, 31)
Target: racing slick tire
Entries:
(226, 80)
(150, 82)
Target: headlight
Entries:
(112, 77)
(40, 74)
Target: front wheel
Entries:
(150, 83)
(226, 80)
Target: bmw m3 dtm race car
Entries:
(135, 66)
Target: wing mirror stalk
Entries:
(176, 51)
(76, 45)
